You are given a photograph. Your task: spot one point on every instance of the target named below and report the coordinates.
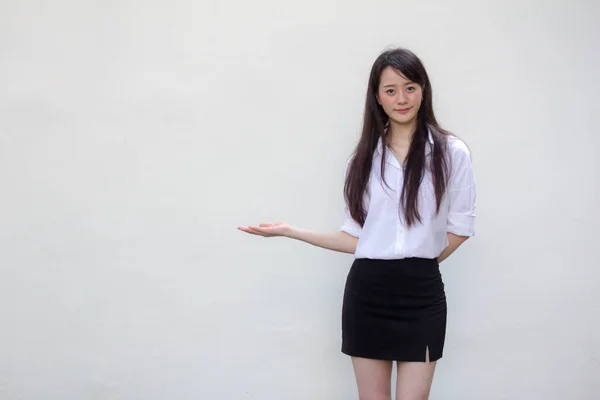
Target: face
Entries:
(399, 97)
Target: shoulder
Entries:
(457, 148)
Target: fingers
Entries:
(254, 230)
(263, 229)
(251, 232)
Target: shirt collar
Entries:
(393, 160)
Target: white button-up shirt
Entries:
(384, 234)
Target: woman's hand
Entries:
(454, 242)
(268, 230)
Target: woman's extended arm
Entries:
(337, 241)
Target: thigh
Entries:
(414, 380)
(373, 378)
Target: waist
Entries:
(400, 248)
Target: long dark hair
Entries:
(374, 127)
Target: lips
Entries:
(403, 110)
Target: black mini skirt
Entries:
(394, 310)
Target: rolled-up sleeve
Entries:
(350, 226)
(461, 192)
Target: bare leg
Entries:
(414, 379)
(373, 378)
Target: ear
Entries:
(377, 97)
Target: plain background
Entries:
(135, 136)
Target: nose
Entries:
(401, 98)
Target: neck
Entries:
(401, 133)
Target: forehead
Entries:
(391, 76)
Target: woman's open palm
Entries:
(267, 230)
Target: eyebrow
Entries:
(393, 85)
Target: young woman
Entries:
(410, 203)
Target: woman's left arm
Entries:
(462, 195)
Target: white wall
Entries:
(136, 135)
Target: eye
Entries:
(411, 88)
(390, 91)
